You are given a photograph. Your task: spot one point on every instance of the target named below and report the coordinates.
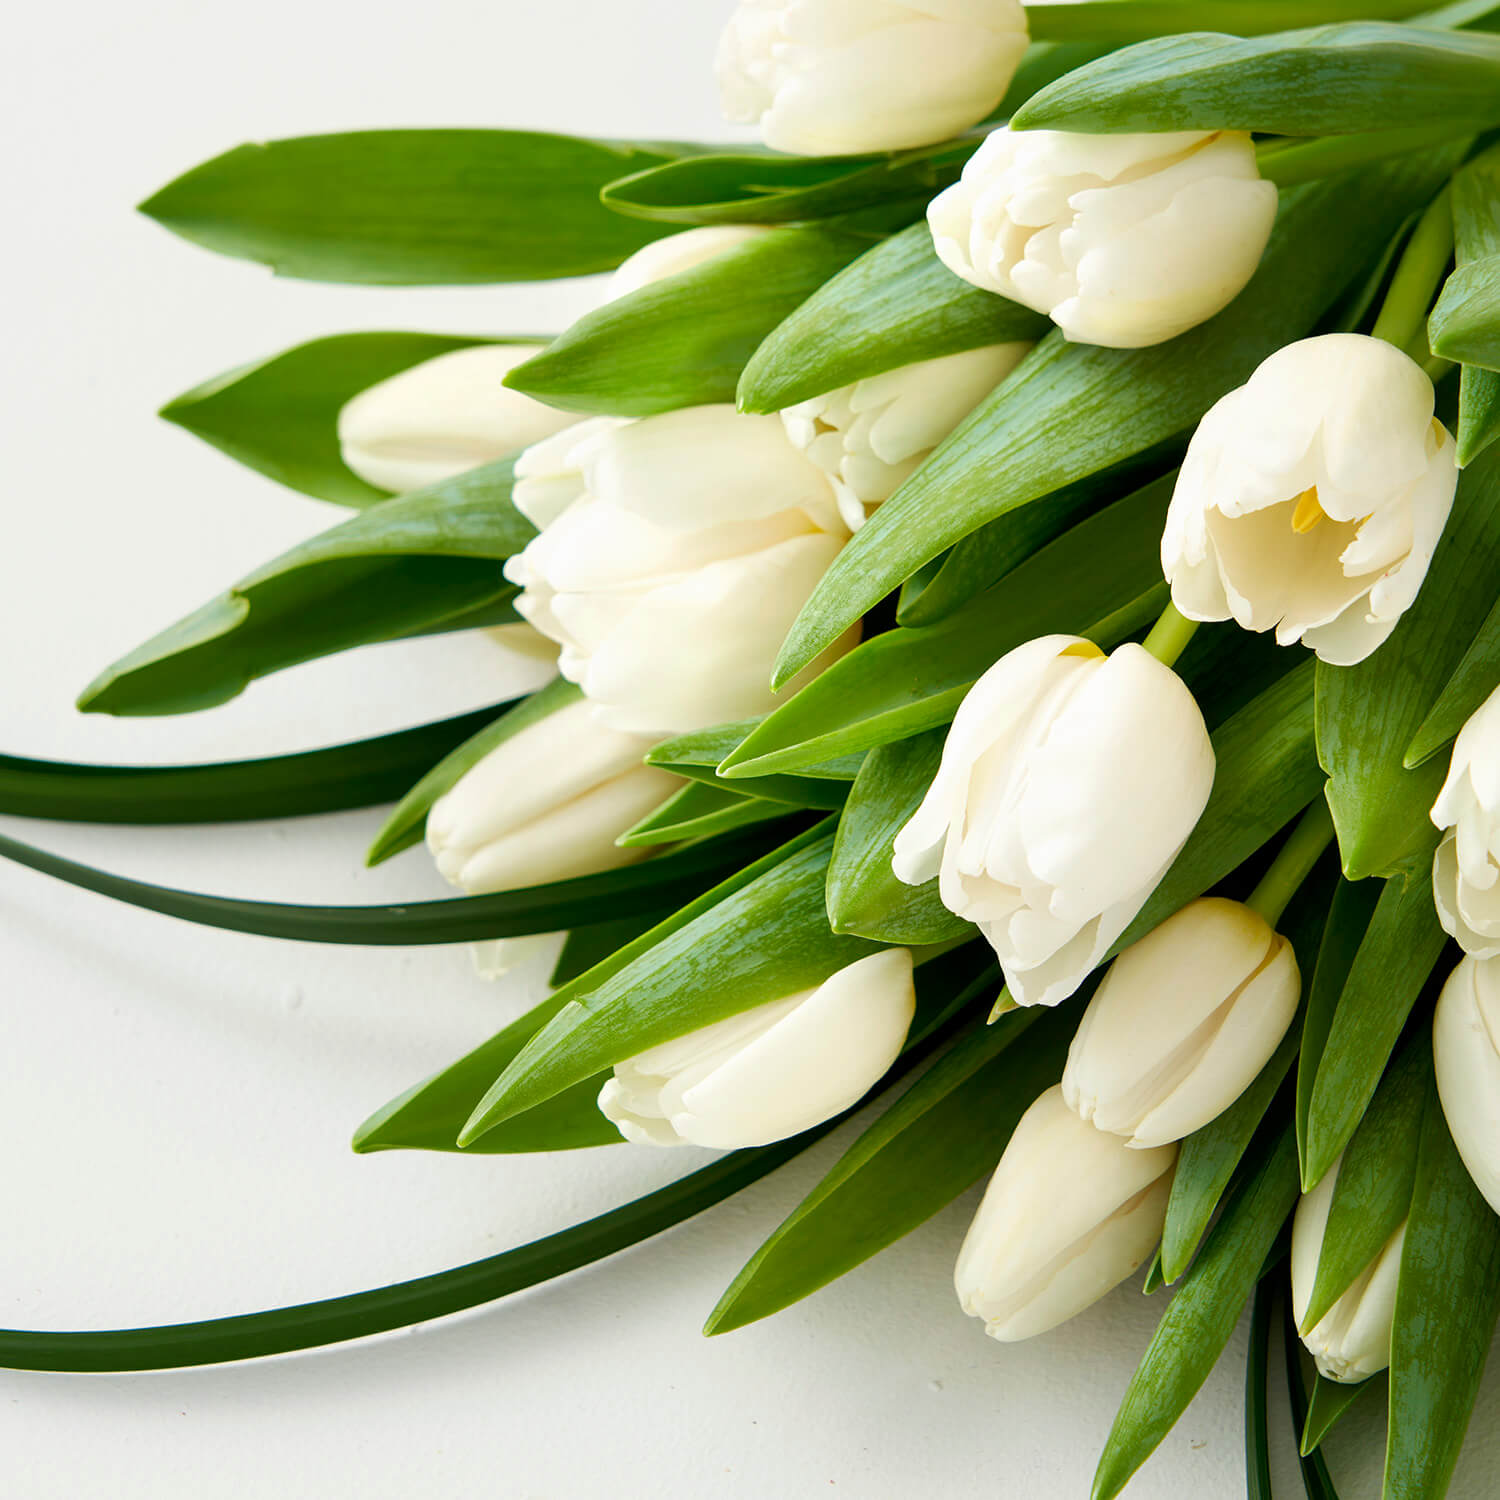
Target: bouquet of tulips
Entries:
(1021, 552)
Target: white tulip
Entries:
(1352, 1340)
(546, 804)
(675, 253)
(1070, 1213)
(1122, 240)
(1466, 1054)
(831, 77)
(1183, 1022)
(674, 556)
(1068, 784)
(870, 437)
(442, 417)
(1313, 497)
(770, 1072)
(1466, 867)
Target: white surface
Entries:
(175, 1102)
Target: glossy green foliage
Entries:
(1119, 21)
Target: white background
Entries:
(175, 1103)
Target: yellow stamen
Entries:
(1309, 513)
(1086, 649)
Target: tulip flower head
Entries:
(1466, 1054)
(1352, 1340)
(829, 78)
(1070, 1213)
(1182, 1023)
(546, 804)
(674, 555)
(870, 437)
(771, 1072)
(1313, 497)
(442, 417)
(1122, 240)
(1068, 784)
(1466, 867)
(675, 253)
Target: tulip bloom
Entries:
(546, 804)
(1069, 782)
(675, 253)
(675, 554)
(1466, 867)
(1122, 240)
(442, 417)
(1466, 1054)
(827, 78)
(1183, 1022)
(1313, 497)
(870, 437)
(1352, 1341)
(1070, 1213)
(770, 1072)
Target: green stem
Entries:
(1170, 635)
(1287, 163)
(1403, 316)
(1294, 862)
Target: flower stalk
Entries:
(1169, 637)
(1294, 862)
(1403, 315)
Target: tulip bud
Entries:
(771, 1072)
(1466, 1054)
(442, 417)
(676, 253)
(1466, 867)
(1068, 784)
(870, 437)
(1313, 497)
(1122, 240)
(546, 804)
(827, 78)
(1070, 1212)
(1352, 1341)
(1183, 1022)
(675, 554)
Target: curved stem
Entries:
(1294, 862)
(1403, 316)
(1170, 635)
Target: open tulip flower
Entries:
(1466, 867)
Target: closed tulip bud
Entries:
(442, 417)
(675, 253)
(1182, 1023)
(674, 556)
(830, 78)
(1466, 867)
(871, 436)
(1352, 1341)
(546, 804)
(1313, 497)
(1122, 240)
(1068, 784)
(1070, 1213)
(1466, 1054)
(770, 1072)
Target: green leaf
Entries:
(460, 919)
(1480, 15)
(1331, 1399)
(414, 207)
(1372, 1192)
(1478, 412)
(1325, 80)
(1257, 1427)
(704, 752)
(697, 811)
(359, 774)
(1465, 324)
(425, 562)
(279, 415)
(1472, 682)
(683, 341)
(1201, 1317)
(897, 304)
(1395, 958)
(1447, 1301)
(938, 1139)
(1101, 579)
(1120, 21)
(761, 943)
(408, 818)
(585, 947)
(311, 1325)
(1369, 715)
(1071, 410)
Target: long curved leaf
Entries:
(1316, 1480)
(1257, 1425)
(414, 207)
(1329, 1402)
(1134, 20)
(425, 562)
